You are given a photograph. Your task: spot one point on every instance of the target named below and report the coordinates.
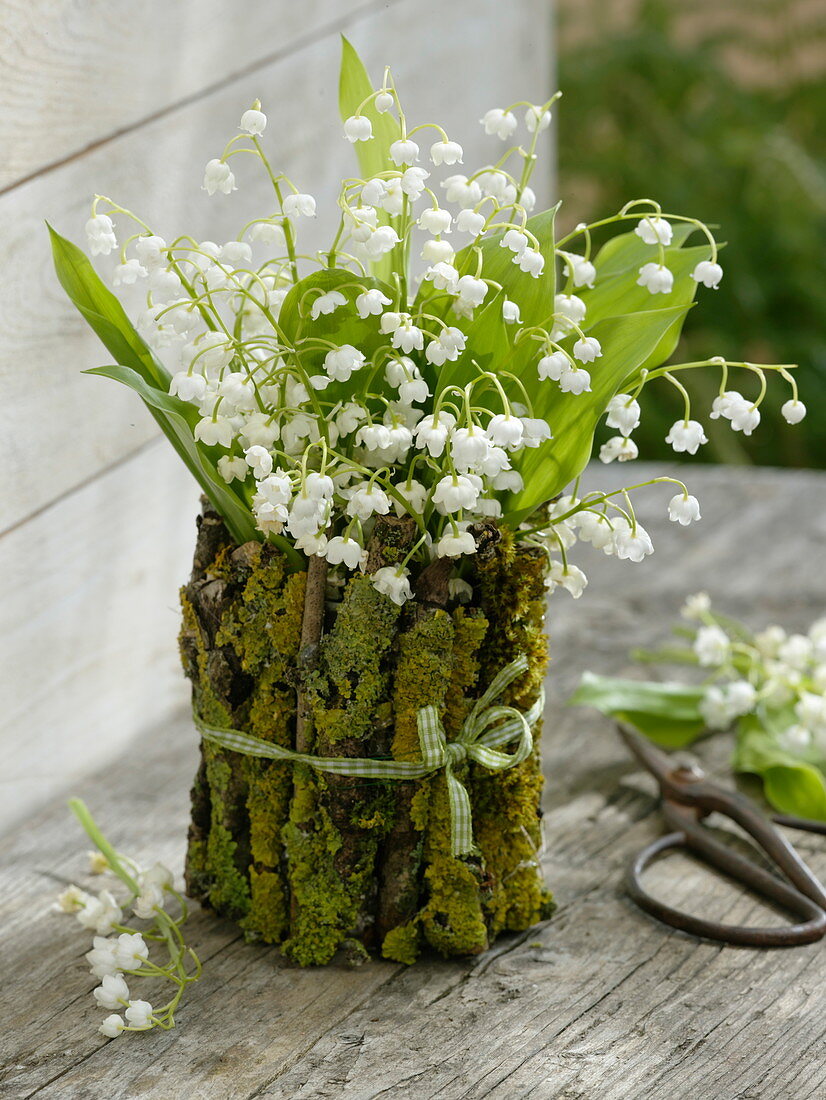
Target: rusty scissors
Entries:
(688, 796)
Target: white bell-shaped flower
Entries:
(393, 582)
(112, 991)
(505, 430)
(367, 500)
(570, 308)
(404, 151)
(499, 123)
(656, 278)
(100, 233)
(686, 436)
(470, 221)
(358, 128)
(432, 432)
(446, 152)
(553, 366)
(463, 192)
(254, 121)
(341, 362)
(435, 220)
(654, 230)
(455, 492)
(371, 302)
(327, 303)
(793, 411)
(218, 176)
(623, 413)
(619, 448)
(455, 543)
(469, 447)
(711, 646)
(708, 273)
(587, 349)
(575, 380)
(299, 206)
(683, 509)
(344, 550)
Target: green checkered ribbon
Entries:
(484, 733)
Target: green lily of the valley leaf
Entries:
(628, 343)
(667, 713)
(137, 368)
(489, 337)
(627, 251)
(103, 312)
(620, 293)
(177, 419)
(374, 155)
(792, 783)
(534, 296)
(342, 326)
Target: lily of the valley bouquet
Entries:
(389, 434)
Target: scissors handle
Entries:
(696, 838)
(781, 852)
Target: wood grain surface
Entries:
(600, 1002)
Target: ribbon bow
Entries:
(485, 730)
(479, 739)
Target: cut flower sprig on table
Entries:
(310, 394)
(120, 954)
(768, 685)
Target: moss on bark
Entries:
(332, 851)
(421, 678)
(318, 862)
(508, 813)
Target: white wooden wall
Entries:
(130, 100)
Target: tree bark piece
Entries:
(240, 636)
(507, 815)
(311, 626)
(421, 677)
(337, 821)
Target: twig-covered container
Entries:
(318, 862)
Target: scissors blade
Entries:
(653, 759)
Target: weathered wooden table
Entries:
(599, 1002)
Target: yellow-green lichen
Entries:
(259, 627)
(229, 888)
(421, 678)
(401, 944)
(506, 817)
(452, 920)
(353, 680)
(268, 916)
(337, 822)
(323, 905)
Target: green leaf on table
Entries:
(374, 155)
(103, 312)
(667, 713)
(793, 783)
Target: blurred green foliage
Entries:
(648, 114)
